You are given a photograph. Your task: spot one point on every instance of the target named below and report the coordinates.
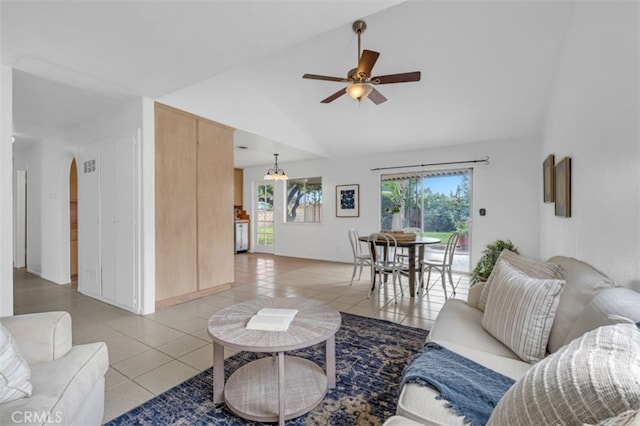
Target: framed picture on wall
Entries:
(548, 179)
(563, 187)
(348, 200)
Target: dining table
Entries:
(415, 250)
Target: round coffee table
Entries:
(274, 388)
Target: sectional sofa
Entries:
(585, 346)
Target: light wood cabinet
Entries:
(238, 182)
(194, 205)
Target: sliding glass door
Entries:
(435, 202)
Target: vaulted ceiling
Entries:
(487, 68)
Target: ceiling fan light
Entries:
(359, 91)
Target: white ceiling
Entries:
(487, 68)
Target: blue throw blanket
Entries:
(471, 389)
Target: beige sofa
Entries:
(68, 381)
(588, 298)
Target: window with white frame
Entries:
(304, 200)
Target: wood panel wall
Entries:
(194, 205)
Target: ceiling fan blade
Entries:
(376, 97)
(397, 78)
(334, 96)
(326, 78)
(367, 61)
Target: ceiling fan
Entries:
(361, 84)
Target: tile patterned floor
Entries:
(150, 354)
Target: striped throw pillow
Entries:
(520, 311)
(15, 373)
(530, 267)
(590, 380)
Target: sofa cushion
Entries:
(606, 308)
(461, 324)
(595, 377)
(60, 387)
(530, 267)
(14, 370)
(583, 282)
(520, 310)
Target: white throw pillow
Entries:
(530, 267)
(591, 379)
(626, 418)
(14, 370)
(520, 311)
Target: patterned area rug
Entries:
(370, 357)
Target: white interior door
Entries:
(125, 214)
(264, 230)
(89, 225)
(107, 222)
(108, 225)
(20, 238)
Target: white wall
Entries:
(508, 188)
(593, 118)
(6, 191)
(48, 166)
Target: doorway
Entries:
(73, 223)
(264, 230)
(20, 240)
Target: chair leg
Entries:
(444, 282)
(353, 274)
(395, 294)
(373, 281)
(453, 288)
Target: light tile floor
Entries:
(150, 354)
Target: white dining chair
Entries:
(442, 264)
(383, 248)
(361, 256)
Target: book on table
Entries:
(272, 319)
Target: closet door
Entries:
(117, 221)
(126, 185)
(176, 226)
(215, 205)
(89, 224)
(108, 220)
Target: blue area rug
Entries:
(370, 357)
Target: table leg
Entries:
(412, 270)
(330, 361)
(420, 257)
(281, 405)
(218, 373)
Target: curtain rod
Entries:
(485, 161)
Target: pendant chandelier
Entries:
(276, 173)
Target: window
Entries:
(304, 200)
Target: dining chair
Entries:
(442, 264)
(361, 257)
(383, 248)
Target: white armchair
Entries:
(68, 381)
